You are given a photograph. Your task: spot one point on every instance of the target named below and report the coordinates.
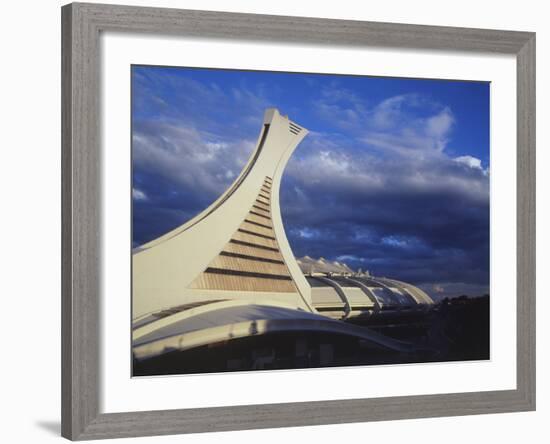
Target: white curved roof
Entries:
(234, 319)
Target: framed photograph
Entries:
(288, 220)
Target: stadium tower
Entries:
(237, 247)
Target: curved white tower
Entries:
(229, 272)
(236, 249)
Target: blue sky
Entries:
(393, 177)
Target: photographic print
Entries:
(288, 220)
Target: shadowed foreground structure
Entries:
(223, 292)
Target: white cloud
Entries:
(307, 233)
(411, 161)
(440, 124)
(397, 124)
(193, 159)
(139, 195)
(398, 131)
(192, 101)
(388, 112)
(472, 162)
(350, 257)
(397, 145)
(395, 241)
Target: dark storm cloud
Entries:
(383, 194)
(423, 220)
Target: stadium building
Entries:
(227, 281)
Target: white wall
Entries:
(30, 222)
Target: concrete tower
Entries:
(236, 248)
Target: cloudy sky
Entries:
(393, 177)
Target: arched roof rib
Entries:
(420, 296)
(369, 293)
(366, 294)
(340, 292)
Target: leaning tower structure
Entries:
(237, 247)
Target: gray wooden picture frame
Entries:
(81, 172)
